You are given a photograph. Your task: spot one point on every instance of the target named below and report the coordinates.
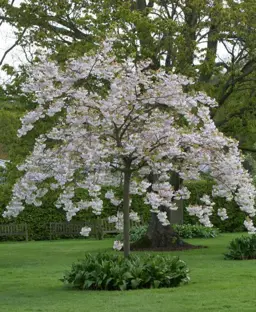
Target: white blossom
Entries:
(85, 231)
(112, 219)
(162, 217)
(118, 245)
(249, 226)
(203, 213)
(109, 194)
(119, 219)
(134, 216)
(222, 213)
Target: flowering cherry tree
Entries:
(117, 123)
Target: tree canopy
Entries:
(118, 123)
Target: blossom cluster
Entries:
(203, 212)
(119, 219)
(118, 245)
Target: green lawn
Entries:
(30, 272)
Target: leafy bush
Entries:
(195, 231)
(113, 272)
(236, 217)
(242, 248)
(136, 233)
(184, 231)
(38, 218)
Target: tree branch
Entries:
(247, 149)
(228, 88)
(12, 47)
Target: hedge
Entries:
(236, 217)
(38, 218)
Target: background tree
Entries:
(212, 41)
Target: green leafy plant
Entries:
(195, 231)
(104, 271)
(242, 248)
(235, 220)
(136, 233)
(184, 231)
(38, 218)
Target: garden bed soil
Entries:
(185, 246)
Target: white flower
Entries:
(112, 219)
(249, 226)
(85, 231)
(134, 216)
(118, 245)
(109, 194)
(116, 202)
(162, 217)
(202, 213)
(222, 213)
(206, 199)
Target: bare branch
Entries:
(228, 88)
(13, 46)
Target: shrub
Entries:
(236, 217)
(38, 218)
(242, 248)
(195, 231)
(184, 231)
(136, 233)
(112, 272)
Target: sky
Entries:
(7, 39)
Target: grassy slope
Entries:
(29, 274)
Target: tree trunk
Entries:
(159, 236)
(162, 236)
(127, 178)
(176, 216)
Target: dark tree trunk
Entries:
(176, 216)
(159, 236)
(126, 204)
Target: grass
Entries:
(30, 272)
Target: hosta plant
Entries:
(242, 248)
(195, 231)
(104, 271)
(136, 233)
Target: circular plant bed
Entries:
(104, 271)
